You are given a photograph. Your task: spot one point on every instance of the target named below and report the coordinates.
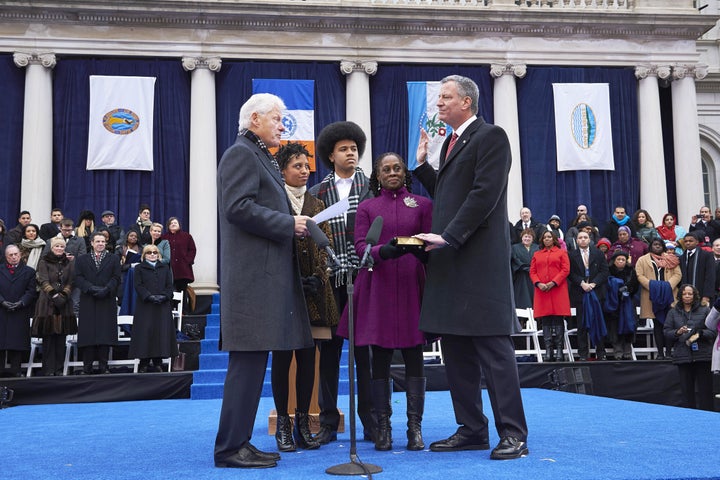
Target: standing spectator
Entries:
(581, 222)
(553, 225)
(51, 229)
(142, 225)
(658, 273)
(116, 232)
(583, 210)
(713, 323)
(700, 224)
(716, 258)
(526, 221)
(521, 255)
(548, 272)
(604, 246)
(74, 247)
(31, 246)
(182, 254)
(692, 343)
(340, 146)
(619, 306)
(85, 228)
(588, 274)
(97, 275)
(618, 219)
(254, 213)
(644, 226)
(54, 317)
(670, 231)
(15, 234)
(470, 253)
(387, 300)
(627, 243)
(153, 334)
(17, 299)
(158, 241)
(698, 269)
(2, 234)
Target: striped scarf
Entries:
(343, 231)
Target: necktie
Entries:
(585, 258)
(525, 226)
(453, 139)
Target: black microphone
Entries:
(321, 240)
(371, 239)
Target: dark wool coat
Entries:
(262, 306)
(182, 254)
(695, 320)
(598, 274)
(17, 287)
(54, 274)
(704, 277)
(522, 285)
(153, 331)
(469, 284)
(97, 324)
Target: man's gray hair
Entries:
(260, 103)
(466, 88)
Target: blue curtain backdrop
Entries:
(389, 102)
(12, 84)
(234, 87)
(547, 191)
(666, 112)
(166, 188)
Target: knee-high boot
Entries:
(301, 432)
(283, 434)
(381, 396)
(549, 343)
(559, 341)
(415, 407)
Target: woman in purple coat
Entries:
(388, 298)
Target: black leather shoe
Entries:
(325, 435)
(509, 448)
(245, 458)
(601, 356)
(266, 455)
(458, 441)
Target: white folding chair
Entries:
(435, 352)
(178, 299)
(530, 333)
(648, 331)
(35, 342)
(573, 331)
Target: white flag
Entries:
(583, 131)
(121, 123)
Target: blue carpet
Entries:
(571, 437)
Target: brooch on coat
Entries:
(410, 202)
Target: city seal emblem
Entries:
(583, 125)
(121, 121)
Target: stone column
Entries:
(506, 116)
(357, 109)
(203, 170)
(686, 136)
(653, 195)
(37, 159)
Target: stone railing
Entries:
(631, 5)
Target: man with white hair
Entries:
(526, 221)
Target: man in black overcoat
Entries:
(698, 268)
(468, 296)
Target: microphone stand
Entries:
(355, 466)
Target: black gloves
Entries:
(156, 299)
(8, 305)
(311, 285)
(390, 250)
(59, 300)
(99, 292)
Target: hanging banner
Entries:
(423, 113)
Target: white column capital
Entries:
(518, 70)
(22, 59)
(644, 71)
(348, 66)
(213, 64)
(694, 72)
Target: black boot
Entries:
(381, 396)
(549, 343)
(559, 339)
(283, 434)
(301, 432)
(415, 407)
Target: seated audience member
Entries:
(627, 243)
(692, 343)
(700, 224)
(31, 246)
(17, 300)
(644, 226)
(583, 210)
(618, 219)
(656, 297)
(553, 225)
(521, 255)
(526, 221)
(85, 227)
(153, 334)
(15, 234)
(670, 231)
(51, 229)
(162, 244)
(54, 318)
(182, 254)
(604, 246)
(582, 221)
(116, 232)
(698, 268)
(97, 275)
(619, 307)
(142, 225)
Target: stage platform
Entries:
(572, 436)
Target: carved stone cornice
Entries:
(47, 60)
(214, 64)
(518, 70)
(348, 66)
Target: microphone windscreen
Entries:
(317, 235)
(374, 231)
